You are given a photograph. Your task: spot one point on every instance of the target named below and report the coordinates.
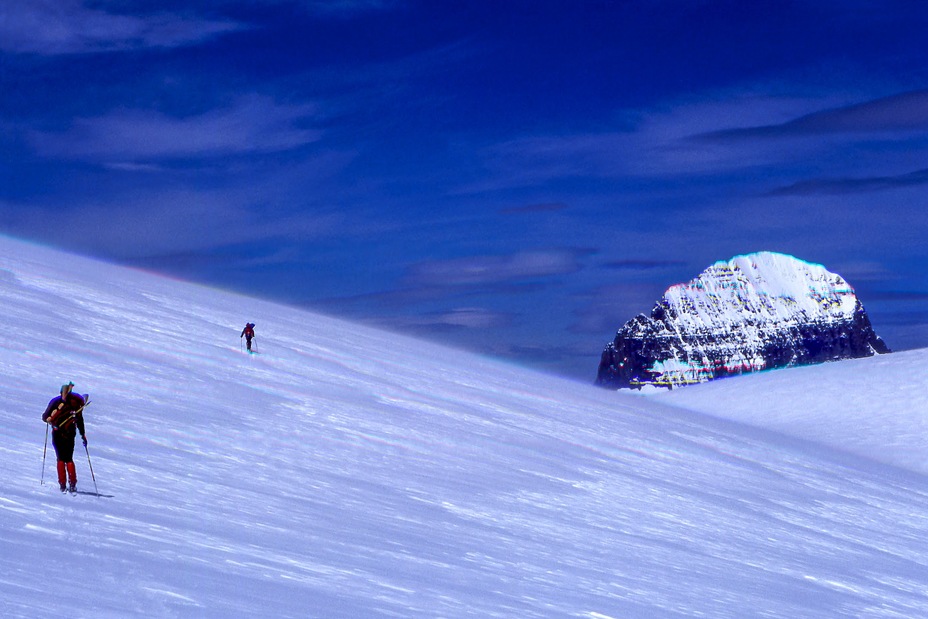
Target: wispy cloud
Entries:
(343, 7)
(606, 308)
(642, 265)
(900, 295)
(545, 207)
(131, 166)
(253, 124)
(147, 223)
(906, 111)
(455, 318)
(479, 270)
(649, 143)
(55, 27)
(709, 135)
(834, 186)
(158, 222)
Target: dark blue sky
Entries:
(517, 178)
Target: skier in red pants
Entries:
(64, 414)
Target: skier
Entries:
(65, 415)
(248, 332)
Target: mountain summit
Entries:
(758, 311)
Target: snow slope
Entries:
(875, 407)
(347, 472)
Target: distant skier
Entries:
(65, 415)
(248, 333)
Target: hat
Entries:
(68, 386)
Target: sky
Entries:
(308, 480)
(515, 178)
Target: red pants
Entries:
(71, 473)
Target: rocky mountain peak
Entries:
(758, 311)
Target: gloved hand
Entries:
(84, 439)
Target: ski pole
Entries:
(90, 464)
(44, 450)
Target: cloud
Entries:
(835, 186)
(480, 270)
(856, 270)
(642, 265)
(130, 166)
(253, 124)
(546, 207)
(532, 160)
(344, 7)
(164, 221)
(455, 318)
(603, 310)
(657, 142)
(154, 223)
(717, 134)
(901, 295)
(56, 27)
(902, 112)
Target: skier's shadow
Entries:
(97, 494)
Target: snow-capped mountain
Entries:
(758, 311)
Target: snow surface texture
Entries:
(754, 312)
(343, 472)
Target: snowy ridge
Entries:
(751, 313)
(344, 472)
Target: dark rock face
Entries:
(759, 311)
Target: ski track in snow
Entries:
(347, 472)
